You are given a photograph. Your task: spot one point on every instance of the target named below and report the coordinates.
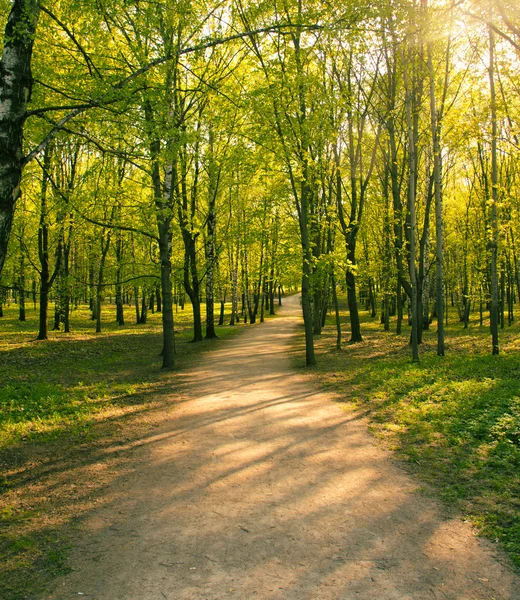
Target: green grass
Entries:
(50, 388)
(455, 419)
(65, 403)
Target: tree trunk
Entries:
(222, 311)
(15, 92)
(336, 310)
(165, 243)
(21, 283)
(437, 183)
(136, 304)
(234, 287)
(317, 306)
(259, 286)
(399, 307)
(44, 306)
(163, 203)
(502, 296)
(372, 297)
(271, 289)
(66, 285)
(262, 304)
(99, 301)
(43, 251)
(355, 324)
(144, 308)
(247, 295)
(192, 286)
(412, 171)
(493, 242)
(310, 358)
(120, 313)
(168, 351)
(158, 299)
(105, 245)
(510, 293)
(210, 243)
(57, 312)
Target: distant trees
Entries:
(203, 150)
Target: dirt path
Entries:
(260, 487)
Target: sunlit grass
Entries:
(48, 387)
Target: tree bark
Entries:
(144, 307)
(120, 313)
(310, 358)
(21, 283)
(66, 282)
(163, 201)
(186, 211)
(493, 242)
(234, 286)
(105, 244)
(46, 280)
(158, 299)
(336, 310)
(412, 173)
(439, 234)
(213, 175)
(15, 93)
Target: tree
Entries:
(15, 92)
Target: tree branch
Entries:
(90, 64)
(93, 221)
(105, 96)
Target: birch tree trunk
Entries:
(163, 201)
(234, 285)
(15, 93)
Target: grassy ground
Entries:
(456, 419)
(72, 409)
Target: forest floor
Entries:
(252, 483)
(71, 409)
(235, 476)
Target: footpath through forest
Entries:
(261, 487)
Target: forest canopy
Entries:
(228, 150)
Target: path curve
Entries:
(261, 487)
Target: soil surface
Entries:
(259, 486)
